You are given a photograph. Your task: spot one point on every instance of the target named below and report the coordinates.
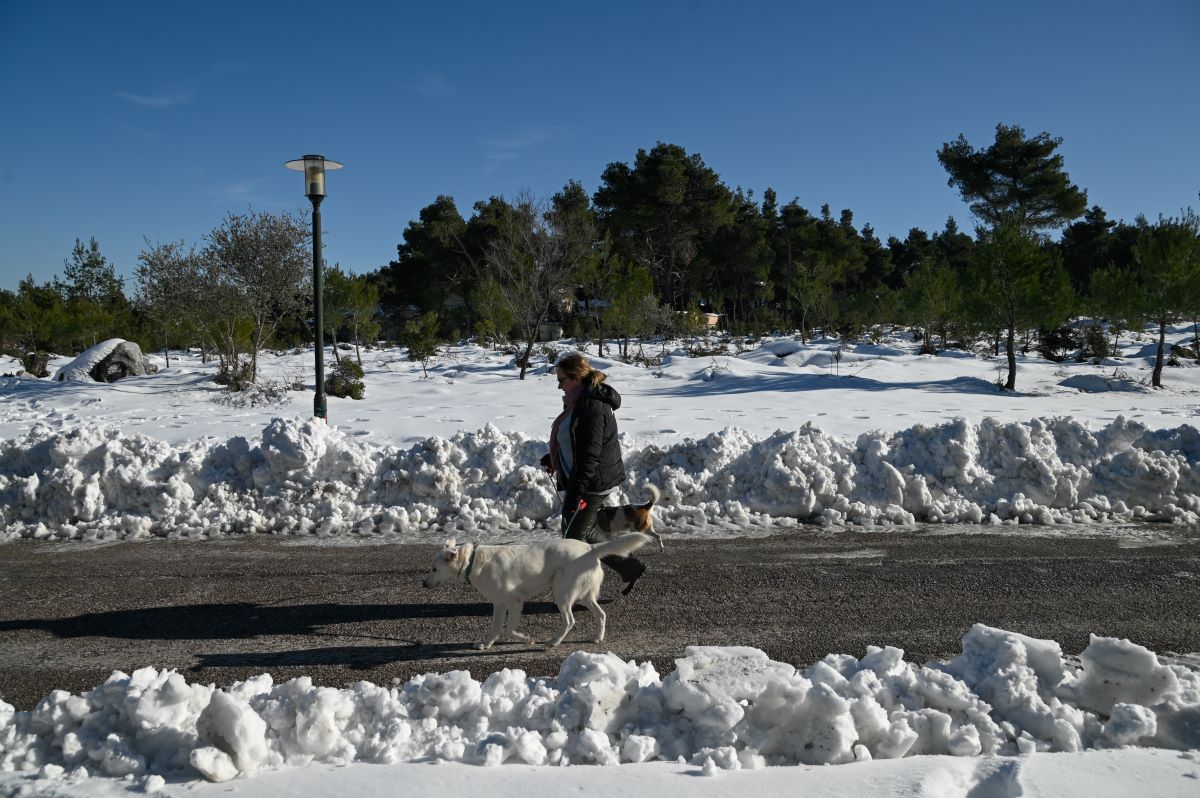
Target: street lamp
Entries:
(313, 167)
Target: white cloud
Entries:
(156, 101)
(241, 192)
(498, 151)
(436, 85)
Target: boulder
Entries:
(36, 363)
(107, 362)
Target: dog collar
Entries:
(470, 562)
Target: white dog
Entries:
(508, 576)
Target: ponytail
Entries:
(575, 366)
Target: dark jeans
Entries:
(581, 525)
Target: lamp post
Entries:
(314, 167)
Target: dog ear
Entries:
(449, 543)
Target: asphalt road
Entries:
(223, 610)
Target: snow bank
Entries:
(305, 477)
(722, 708)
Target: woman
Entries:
(585, 456)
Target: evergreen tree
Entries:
(495, 318)
(789, 238)
(1167, 264)
(953, 247)
(1088, 246)
(1023, 281)
(336, 291)
(737, 265)
(906, 255)
(1016, 181)
(932, 299)
(92, 294)
(661, 212)
(596, 276)
(1113, 294)
(37, 317)
(421, 338)
(634, 307)
(443, 260)
(362, 310)
(88, 275)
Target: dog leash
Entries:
(574, 515)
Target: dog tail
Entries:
(654, 497)
(622, 546)
(626, 544)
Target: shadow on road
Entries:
(356, 657)
(244, 620)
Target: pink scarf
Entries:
(570, 398)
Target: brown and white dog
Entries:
(613, 521)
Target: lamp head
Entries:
(314, 167)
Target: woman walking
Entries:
(585, 457)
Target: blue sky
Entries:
(135, 120)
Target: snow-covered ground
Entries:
(736, 443)
(747, 443)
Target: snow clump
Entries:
(722, 708)
(306, 477)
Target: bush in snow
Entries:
(345, 380)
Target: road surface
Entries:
(226, 609)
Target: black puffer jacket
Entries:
(597, 454)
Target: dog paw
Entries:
(482, 646)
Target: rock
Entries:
(107, 362)
(35, 364)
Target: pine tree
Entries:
(1167, 264)
(661, 212)
(1016, 181)
(421, 338)
(1023, 281)
(90, 276)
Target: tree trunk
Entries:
(1156, 380)
(1010, 346)
(254, 356)
(525, 357)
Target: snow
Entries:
(81, 367)
(155, 456)
(1007, 697)
(738, 443)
